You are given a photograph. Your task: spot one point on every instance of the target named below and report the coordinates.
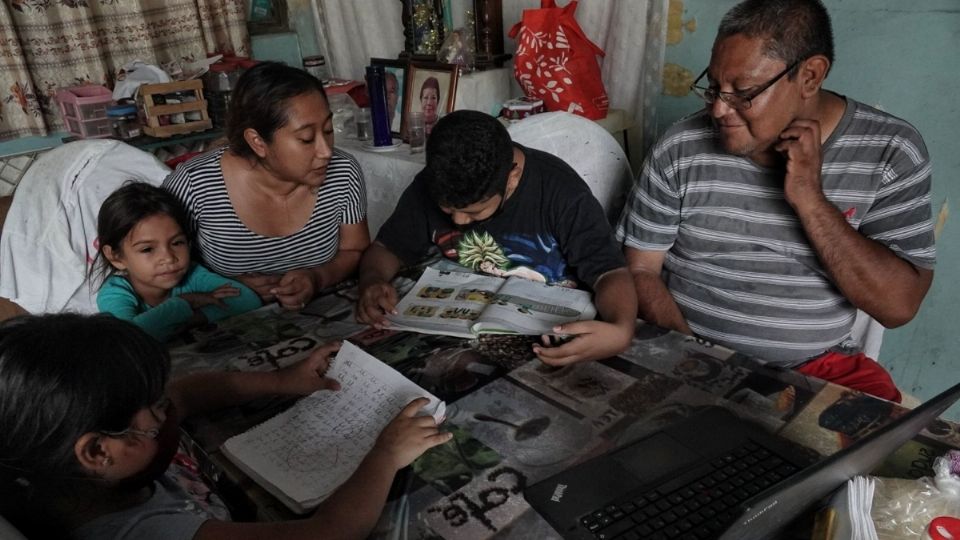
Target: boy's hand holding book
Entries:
(377, 300)
(588, 340)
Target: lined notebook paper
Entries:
(302, 455)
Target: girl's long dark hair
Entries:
(62, 376)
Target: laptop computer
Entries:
(713, 475)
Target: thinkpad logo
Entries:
(558, 492)
(761, 512)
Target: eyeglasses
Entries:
(159, 412)
(738, 101)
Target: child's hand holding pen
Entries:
(308, 375)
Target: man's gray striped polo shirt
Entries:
(738, 262)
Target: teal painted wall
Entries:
(900, 57)
(289, 47)
(280, 47)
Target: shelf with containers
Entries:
(174, 108)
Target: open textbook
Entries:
(303, 454)
(464, 304)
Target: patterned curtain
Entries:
(46, 45)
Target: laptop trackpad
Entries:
(655, 456)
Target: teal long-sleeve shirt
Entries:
(166, 319)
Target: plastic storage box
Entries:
(84, 110)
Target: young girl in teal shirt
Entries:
(145, 254)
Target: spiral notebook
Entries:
(304, 454)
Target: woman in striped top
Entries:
(279, 209)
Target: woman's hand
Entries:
(307, 376)
(212, 298)
(408, 435)
(295, 289)
(262, 284)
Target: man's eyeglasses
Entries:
(737, 100)
(159, 412)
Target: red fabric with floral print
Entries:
(556, 62)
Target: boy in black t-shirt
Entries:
(506, 210)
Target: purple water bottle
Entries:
(377, 90)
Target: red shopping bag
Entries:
(556, 62)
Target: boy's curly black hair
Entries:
(469, 156)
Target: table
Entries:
(386, 175)
(516, 421)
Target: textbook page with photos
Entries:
(305, 453)
(464, 304)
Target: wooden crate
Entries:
(153, 111)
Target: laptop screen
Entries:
(770, 511)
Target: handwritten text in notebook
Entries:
(305, 453)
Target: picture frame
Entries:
(276, 19)
(487, 30)
(396, 79)
(421, 77)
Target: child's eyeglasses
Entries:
(159, 412)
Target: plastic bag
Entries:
(556, 62)
(133, 75)
(903, 509)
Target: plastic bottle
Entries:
(377, 90)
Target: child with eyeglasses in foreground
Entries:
(91, 427)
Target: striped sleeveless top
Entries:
(229, 248)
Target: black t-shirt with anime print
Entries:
(551, 229)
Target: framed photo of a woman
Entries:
(396, 75)
(431, 90)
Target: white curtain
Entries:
(358, 30)
(632, 32)
(633, 35)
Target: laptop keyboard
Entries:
(699, 504)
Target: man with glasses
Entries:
(764, 221)
(498, 207)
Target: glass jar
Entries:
(222, 77)
(124, 121)
(316, 66)
(218, 84)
